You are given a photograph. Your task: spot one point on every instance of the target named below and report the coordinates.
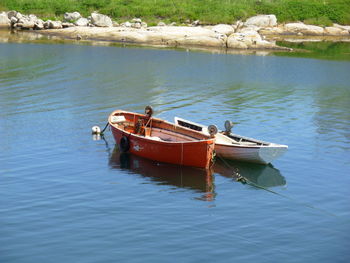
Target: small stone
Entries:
(161, 24)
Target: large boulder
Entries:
(223, 29)
(71, 17)
(101, 20)
(82, 22)
(262, 21)
(301, 28)
(4, 20)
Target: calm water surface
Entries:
(67, 197)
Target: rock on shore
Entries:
(250, 34)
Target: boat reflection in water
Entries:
(197, 179)
(259, 175)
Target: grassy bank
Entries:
(319, 12)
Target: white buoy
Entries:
(96, 130)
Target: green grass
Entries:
(321, 12)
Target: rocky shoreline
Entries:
(256, 33)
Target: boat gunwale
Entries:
(142, 137)
(259, 143)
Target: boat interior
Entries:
(153, 128)
(222, 137)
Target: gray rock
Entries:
(262, 21)
(101, 20)
(115, 24)
(143, 24)
(55, 24)
(82, 22)
(69, 17)
(11, 14)
(161, 24)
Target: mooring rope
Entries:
(104, 129)
(244, 180)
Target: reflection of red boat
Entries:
(159, 140)
(200, 180)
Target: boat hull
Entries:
(259, 154)
(237, 147)
(196, 153)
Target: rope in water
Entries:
(104, 128)
(244, 180)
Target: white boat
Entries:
(237, 147)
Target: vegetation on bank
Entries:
(319, 12)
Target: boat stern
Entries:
(273, 151)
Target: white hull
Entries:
(237, 147)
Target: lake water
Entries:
(67, 197)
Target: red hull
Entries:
(196, 151)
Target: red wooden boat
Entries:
(159, 140)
